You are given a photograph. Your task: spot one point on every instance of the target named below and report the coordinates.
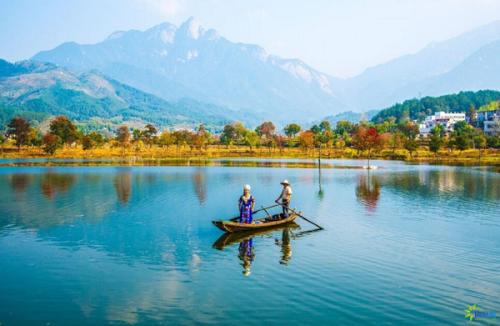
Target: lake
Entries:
(88, 245)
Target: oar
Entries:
(263, 208)
(305, 218)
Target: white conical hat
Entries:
(247, 187)
(285, 182)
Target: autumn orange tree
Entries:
(367, 139)
(306, 139)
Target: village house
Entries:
(445, 119)
(489, 118)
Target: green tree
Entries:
(325, 126)
(463, 135)
(251, 139)
(292, 129)
(3, 139)
(436, 140)
(136, 135)
(479, 140)
(493, 141)
(232, 133)
(62, 127)
(35, 137)
(315, 129)
(410, 130)
(20, 130)
(344, 127)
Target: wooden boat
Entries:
(228, 239)
(261, 223)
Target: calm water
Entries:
(134, 245)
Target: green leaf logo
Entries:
(470, 312)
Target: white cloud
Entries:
(167, 8)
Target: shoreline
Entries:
(190, 156)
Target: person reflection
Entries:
(200, 186)
(368, 191)
(20, 182)
(53, 183)
(123, 186)
(246, 254)
(286, 246)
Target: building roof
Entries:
(492, 106)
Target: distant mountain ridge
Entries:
(191, 61)
(433, 71)
(45, 89)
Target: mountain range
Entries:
(191, 61)
(44, 89)
(224, 80)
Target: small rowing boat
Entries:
(261, 223)
(228, 239)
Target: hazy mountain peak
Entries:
(191, 28)
(115, 35)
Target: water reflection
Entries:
(123, 186)
(200, 185)
(147, 262)
(53, 183)
(246, 254)
(368, 191)
(456, 182)
(286, 246)
(20, 182)
(246, 247)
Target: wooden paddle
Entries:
(263, 208)
(305, 218)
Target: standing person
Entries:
(285, 197)
(245, 205)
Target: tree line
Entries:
(366, 137)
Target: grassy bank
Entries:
(485, 157)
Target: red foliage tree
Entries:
(367, 139)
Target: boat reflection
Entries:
(246, 248)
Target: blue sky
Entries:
(339, 37)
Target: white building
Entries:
(490, 120)
(492, 127)
(447, 120)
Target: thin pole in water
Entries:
(319, 167)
